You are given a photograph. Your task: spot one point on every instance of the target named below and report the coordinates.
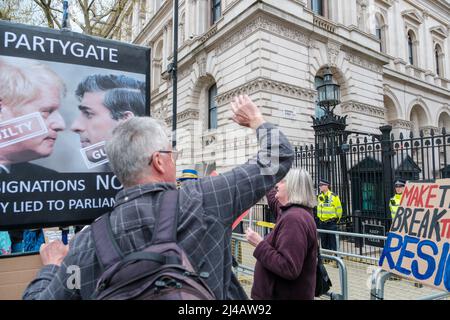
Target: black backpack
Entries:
(161, 271)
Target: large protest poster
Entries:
(417, 246)
(61, 95)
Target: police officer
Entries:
(394, 202)
(329, 212)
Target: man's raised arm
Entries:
(233, 192)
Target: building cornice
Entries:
(270, 86)
(414, 82)
(267, 24)
(439, 31)
(189, 114)
(439, 7)
(362, 108)
(413, 16)
(358, 60)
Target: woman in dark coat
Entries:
(287, 257)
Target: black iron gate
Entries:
(363, 167)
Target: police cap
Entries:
(324, 182)
(400, 183)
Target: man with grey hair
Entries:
(141, 156)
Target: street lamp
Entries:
(329, 93)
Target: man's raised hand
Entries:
(246, 113)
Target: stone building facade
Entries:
(391, 59)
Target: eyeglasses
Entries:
(174, 153)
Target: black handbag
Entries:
(323, 282)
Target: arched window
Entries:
(212, 107)
(439, 60)
(380, 32)
(216, 10)
(317, 7)
(411, 48)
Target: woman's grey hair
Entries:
(132, 144)
(300, 189)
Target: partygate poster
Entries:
(61, 95)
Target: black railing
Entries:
(362, 170)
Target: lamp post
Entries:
(329, 93)
(329, 131)
(173, 70)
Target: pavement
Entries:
(358, 274)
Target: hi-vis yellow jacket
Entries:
(394, 203)
(329, 206)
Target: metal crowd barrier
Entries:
(378, 276)
(343, 295)
(341, 253)
(378, 281)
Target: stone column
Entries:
(150, 9)
(339, 10)
(447, 55)
(350, 17)
(400, 38)
(427, 52)
(169, 38)
(165, 47)
(135, 20)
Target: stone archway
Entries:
(444, 121)
(419, 118)
(391, 113)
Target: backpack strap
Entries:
(106, 247)
(166, 224)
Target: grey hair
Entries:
(132, 143)
(300, 189)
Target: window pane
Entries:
(438, 61)
(368, 196)
(410, 50)
(212, 119)
(212, 107)
(317, 6)
(216, 10)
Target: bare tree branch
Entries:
(97, 17)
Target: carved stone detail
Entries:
(212, 31)
(183, 73)
(266, 24)
(357, 60)
(333, 50)
(427, 130)
(401, 124)
(358, 107)
(201, 61)
(324, 24)
(263, 84)
(190, 114)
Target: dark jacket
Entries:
(287, 258)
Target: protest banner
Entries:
(417, 246)
(62, 94)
